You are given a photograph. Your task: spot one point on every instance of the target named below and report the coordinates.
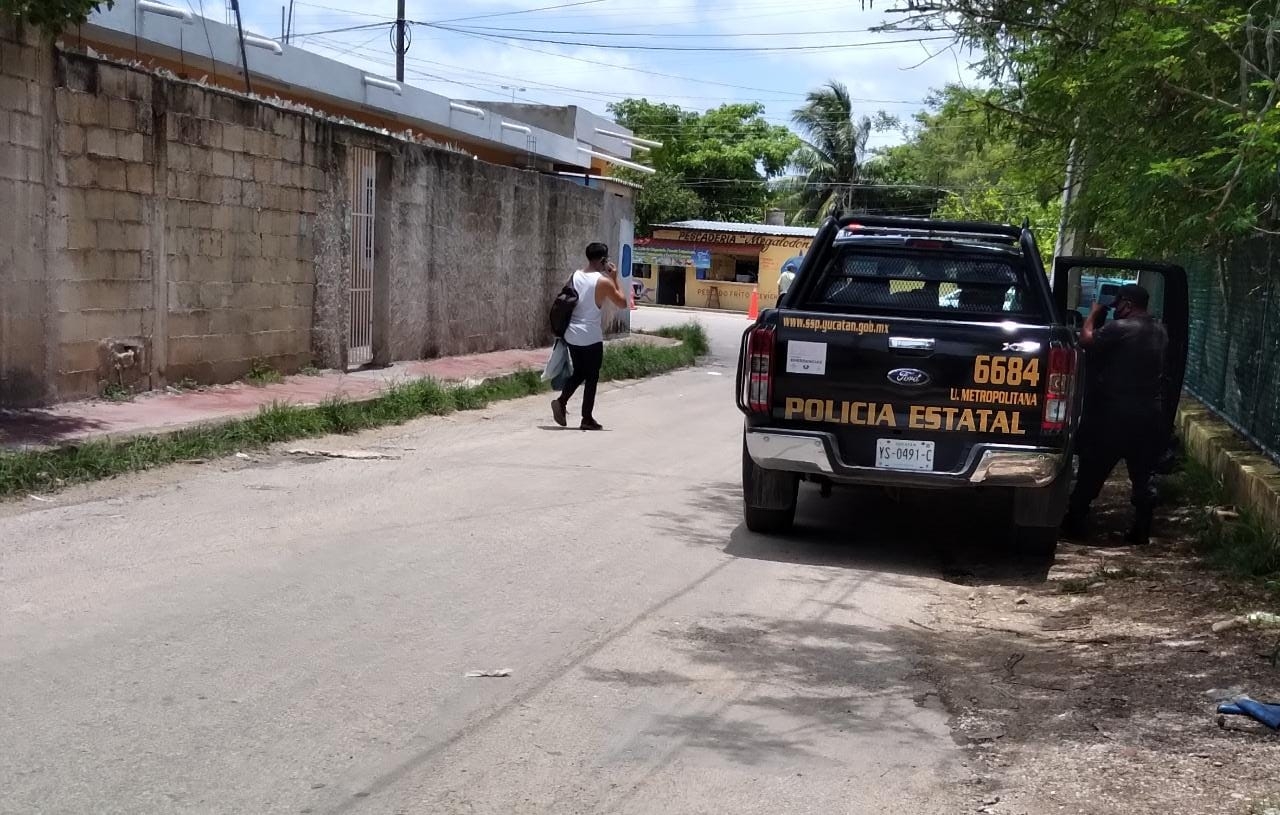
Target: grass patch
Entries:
(261, 373)
(46, 470)
(1075, 585)
(1193, 485)
(114, 392)
(637, 361)
(1243, 546)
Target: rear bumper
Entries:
(816, 453)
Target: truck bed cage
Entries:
(923, 227)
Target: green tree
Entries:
(830, 162)
(723, 158)
(834, 170)
(661, 199)
(51, 16)
(1172, 106)
(964, 157)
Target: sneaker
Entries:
(557, 412)
(591, 424)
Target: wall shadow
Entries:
(36, 427)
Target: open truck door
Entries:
(1079, 282)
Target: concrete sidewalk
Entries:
(171, 410)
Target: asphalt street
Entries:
(289, 635)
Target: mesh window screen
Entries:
(923, 283)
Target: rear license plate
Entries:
(900, 454)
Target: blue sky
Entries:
(886, 75)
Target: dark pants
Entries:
(1133, 435)
(587, 360)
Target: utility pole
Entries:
(244, 57)
(1067, 237)
(400, 44)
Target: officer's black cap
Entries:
(1135, 294)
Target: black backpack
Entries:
(562, 309)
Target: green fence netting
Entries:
(1233, 360)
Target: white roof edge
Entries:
(743, 228)
(173, 37)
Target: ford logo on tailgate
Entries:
(913, 377)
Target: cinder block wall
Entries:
(162, 230)
(26, 309)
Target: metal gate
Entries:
(362, 172)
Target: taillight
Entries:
(1059, 386)
(760, 370)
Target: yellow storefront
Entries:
(717, 265)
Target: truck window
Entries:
(927, 283)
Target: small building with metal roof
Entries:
(717, 264)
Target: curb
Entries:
(695, 309)
(1251, 478)
(161, 431)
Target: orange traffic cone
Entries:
(753, 310)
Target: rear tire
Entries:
(768, 497)
(1037, 517)
(1040, 542)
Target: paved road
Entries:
(288, 636)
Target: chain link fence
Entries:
(1233, 359)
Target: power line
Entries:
(347, 12)
(344, 29)
(701, 48)
(583, 60)
(522, 11)
(667, 35)
(657, 130)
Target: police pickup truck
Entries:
(912, 353)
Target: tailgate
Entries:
(880, 385)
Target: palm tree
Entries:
(831, 160)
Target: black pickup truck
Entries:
(913, 353)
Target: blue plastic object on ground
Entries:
(1268, 714)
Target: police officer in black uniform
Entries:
(1124, 409)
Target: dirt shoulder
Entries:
(1093, 691)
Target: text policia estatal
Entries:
(918, 417)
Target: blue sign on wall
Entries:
(625, 266)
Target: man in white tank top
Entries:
(596, 285)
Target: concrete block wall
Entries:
(103, 276)
(477, 252)
(162, 230)
(25, 308)
(243, 185)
